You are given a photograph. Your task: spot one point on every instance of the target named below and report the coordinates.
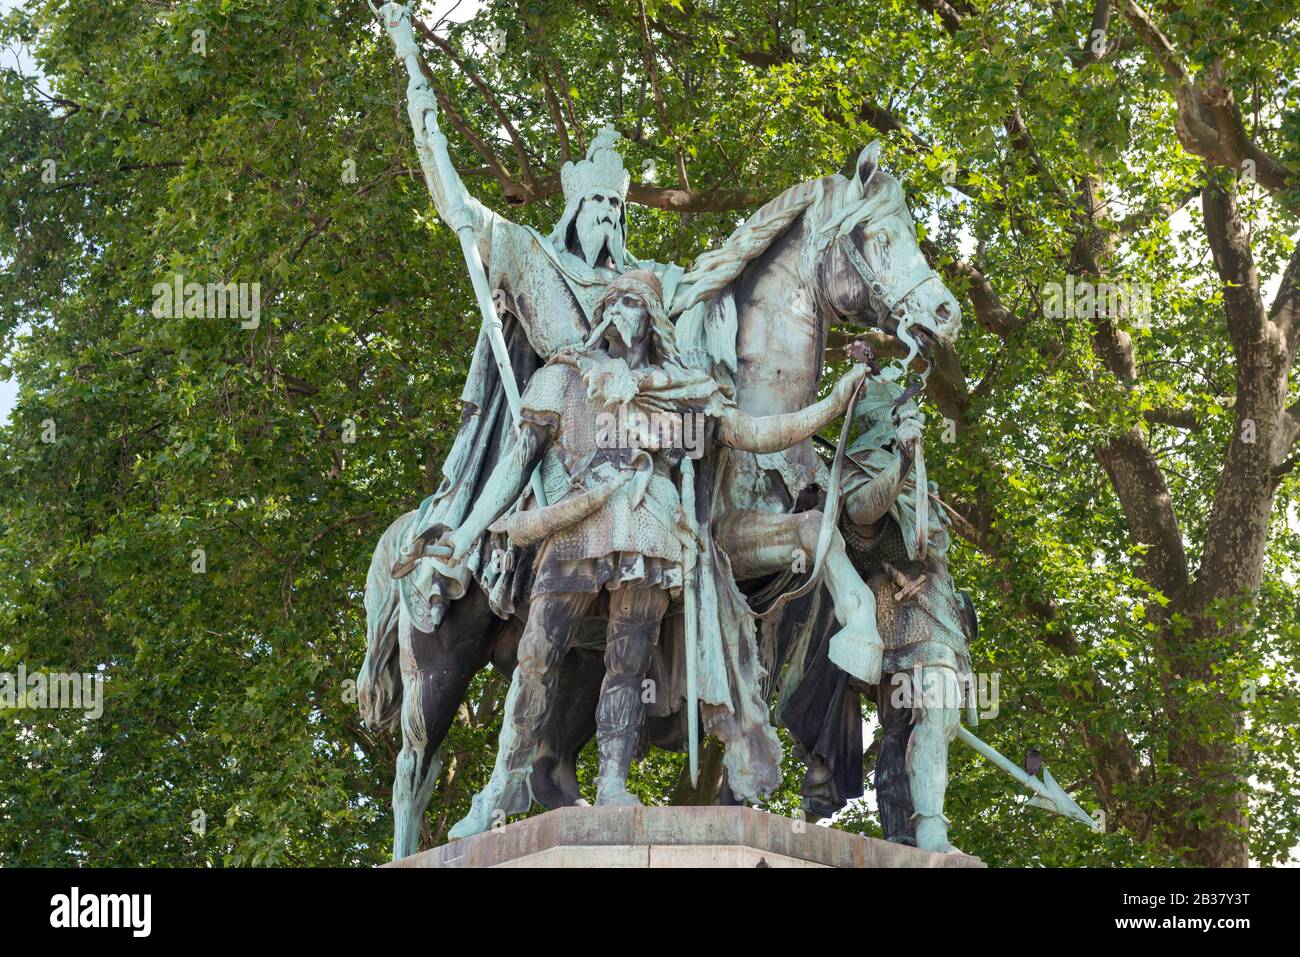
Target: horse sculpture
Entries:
(757, 312)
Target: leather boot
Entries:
(619, 715)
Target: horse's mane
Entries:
(886, 199)
(717, 268)
(704, 309)
(834, 202)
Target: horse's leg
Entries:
(548, 634)
(436, 671)
(573, 722)
(418, 765)
(763, 543)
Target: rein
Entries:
(830, 518)
(831, 511)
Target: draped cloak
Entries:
(547, 299)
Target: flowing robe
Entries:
(547, 296)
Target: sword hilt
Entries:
(410, 552)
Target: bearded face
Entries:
(628, 320)
(599, 231)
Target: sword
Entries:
(692, 624)
(1047, 793)
(397, 22)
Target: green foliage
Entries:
(229, 692)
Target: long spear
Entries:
(397, 21)
(694, 575)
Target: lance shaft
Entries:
(458, 217)
(694, 574)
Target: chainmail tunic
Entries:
(625, 541)
(887, 546)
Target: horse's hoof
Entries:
(481, 816)
(491, 806)
(466, 827)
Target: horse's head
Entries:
(873, 272)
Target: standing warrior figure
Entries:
(549, 286)
(619, 527)
(430, 624)
(924, 621)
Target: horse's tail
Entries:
(379, 685)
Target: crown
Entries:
(601, 170)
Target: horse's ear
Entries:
(868, 164)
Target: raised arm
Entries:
(868, 504)
(450, 197)
(454, 203)
(772, 433)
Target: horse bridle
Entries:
(872, 279)
(876, 291)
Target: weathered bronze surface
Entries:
(637, 440)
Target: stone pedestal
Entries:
(673, 837)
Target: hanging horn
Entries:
(525, 528)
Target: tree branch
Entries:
(1209, 122)
(1285, 311)
(1237, 532)
(1148, 508)
(521, 151)
(557, 117)
(1236, 267)
(648, 55)
(694, 200)
(990, 313)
